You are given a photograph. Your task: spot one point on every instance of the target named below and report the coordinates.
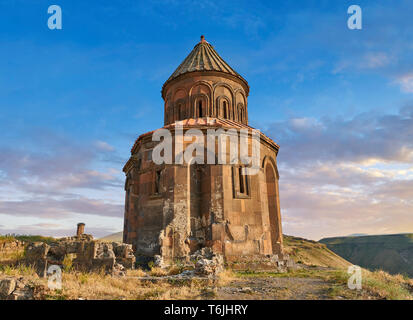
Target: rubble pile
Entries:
(15, 289)
(207, 262)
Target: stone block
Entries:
(7, 286)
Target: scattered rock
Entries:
(7, 286)
(15, 289)
(207, 262)
(158, 261)
(246, 290)
(22, 294)
(186, 273)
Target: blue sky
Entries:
(338, 101)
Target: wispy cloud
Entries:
(44, 180)
(341, 176)
(364, 138)
(406, 82)
(61, 208)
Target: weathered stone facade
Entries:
(173, 210)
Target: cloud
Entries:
(341, 176)
(50, 176)
(365, 138)
(406, 82)
(60, 208)
(375, 60)
(54, 164)
(317, 213)
(104, 146)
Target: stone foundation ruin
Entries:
(85, 253)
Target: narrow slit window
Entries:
(246, 184)
(149, 155)
(157, 181)
(225, 109)
(200, 109)
(241, 180)
(127, 199)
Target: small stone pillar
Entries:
(80, 229)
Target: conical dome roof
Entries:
(203, 58)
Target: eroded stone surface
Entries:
(87, 254)
(12, 288)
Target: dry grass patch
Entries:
(394, 287)
(91, 286)
(226, 277)
(18, 271)
(175, 269)
(136, 273)
(11, 258)
(377, 284)
(158, 272)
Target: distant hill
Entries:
(118, 236)
(312, 253)
(391, 253)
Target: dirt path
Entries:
(271, 288)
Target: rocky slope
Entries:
(391, 253)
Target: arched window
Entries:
(128, 191)
(200, 109)
(241, 180)
(171, 114)
(157, 186)
(240, 183)
(180, 112)
(224, 106)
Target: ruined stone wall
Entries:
(87, 255)
(144, 205)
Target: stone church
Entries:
(174, 209)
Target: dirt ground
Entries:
(275, 289)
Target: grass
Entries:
(320, 262)
(375, 285)
(312, 253)
(226, 277)
(17, 271)
(67, 262)
(11, 257)
(7, 238)
(98, 287)
(136, 273)
(26, 238)
(158, 272)
(388, 286)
